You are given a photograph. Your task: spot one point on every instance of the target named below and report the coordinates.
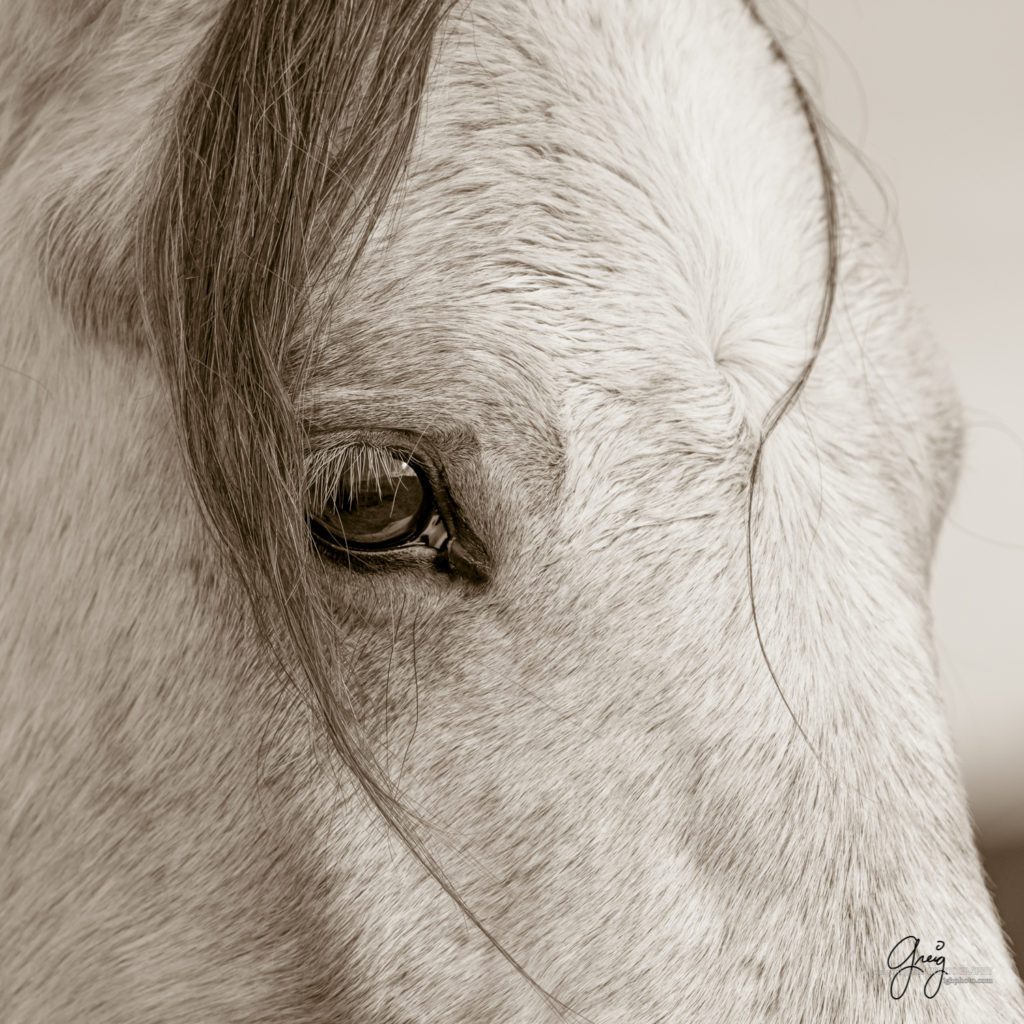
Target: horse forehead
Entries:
(622, 189)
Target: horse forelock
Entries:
(283, 152)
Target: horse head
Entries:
(470, 486)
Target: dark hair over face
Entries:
(285, 147)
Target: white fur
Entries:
(605, 266)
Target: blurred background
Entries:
(931, 95)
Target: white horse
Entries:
(469, 488)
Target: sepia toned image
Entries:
(511, 511)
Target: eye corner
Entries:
(469, 571)
(465, 558)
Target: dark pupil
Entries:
(381, 507)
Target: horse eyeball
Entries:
(382, 500)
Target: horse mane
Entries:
(286, 144)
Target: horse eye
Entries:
(382, 500)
